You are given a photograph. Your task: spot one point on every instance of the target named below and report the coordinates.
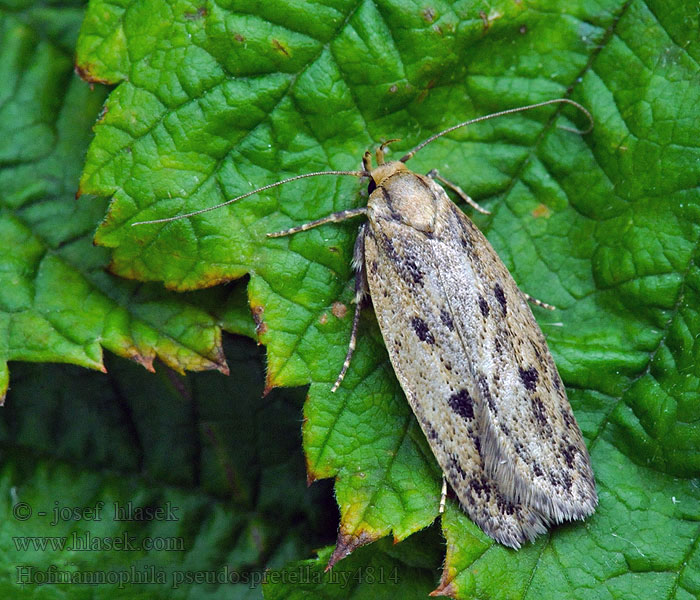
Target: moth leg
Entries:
(361, 296)
(443, 495)
(539, 302)
(433, 174)
(336, 217)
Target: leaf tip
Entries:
(446, 589)
(347, 543)
(85, 72)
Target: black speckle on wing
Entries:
(501, 297)
(462, 404)
(539, 410)
(485, 392)
(484, 306)
(422, 331)
(529, 377)
(446, 319)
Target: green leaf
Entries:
(57, 303)
(214, 100)
(227, 476)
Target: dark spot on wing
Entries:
(557, 380)
(373, 267)
(569, 454)
(553, 479)
(504, 505)
(454, 464)
(537, 470)
(500, 296)
(484, 390)
(483, 306)
(422, 331)
(529, 377)
(477, 442)
(566, 480)
(480, 486)
(430, 432)
(519, 450)
(568, 418)
(446, 319)
(412, 270)
(388, 247)
(539, 411)
(405, 264)
(536, 350)
(372, 186)
(462, 404)
(505, 429)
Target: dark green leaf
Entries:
(227, 474)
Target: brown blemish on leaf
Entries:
(85, 73)
(145, 361)
(347, 542)
(239, 38)
(484, 19)
(428, 14)
(541, 210)
(270, 384)
(339, 310)
(278, 46)
(323, 319)
(446, 586)
(218, 357)
(260, 325)
(310, 477)
(488, 19)
(394, 88)
(424, 94)
(444, 590)
(198, 14)
(103, 114)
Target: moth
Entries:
(466, 349)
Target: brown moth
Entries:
(466, 350)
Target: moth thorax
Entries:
(406, 197)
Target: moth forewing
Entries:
(525, 415)
(466, 350)
(467, 365)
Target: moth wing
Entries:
(419, 332)
(530, 440)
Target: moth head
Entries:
(383, 170)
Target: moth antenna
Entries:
(501, 113)
(261, 189)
